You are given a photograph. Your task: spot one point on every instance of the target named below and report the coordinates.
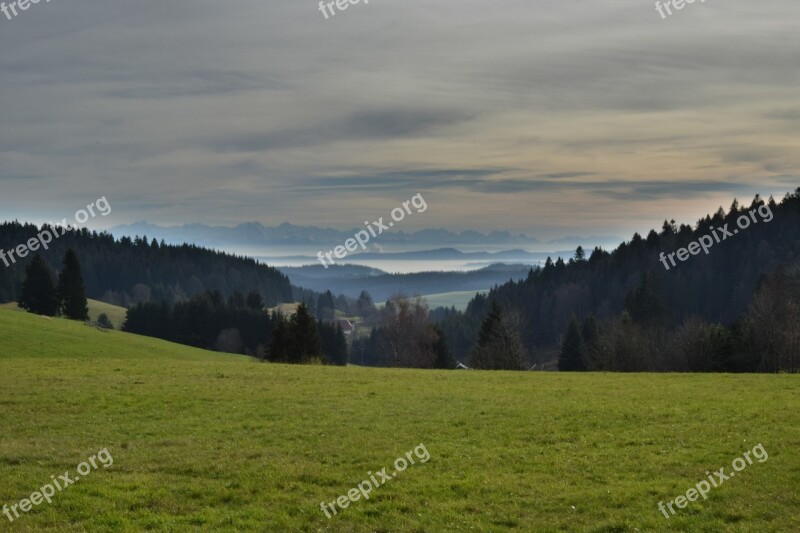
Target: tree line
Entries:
(128, 271)
(241, 324)
(644, 338)
(730, 310)
(42, 294)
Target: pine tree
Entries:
(326, 308)
(334, 343)
(339, 354)
(71, 294)
(590, 330)
(305, 345)
(498, 346)
(38, 290)
(236, 300)
(255, 301)
(646, 303)
(571, 357)
(490, 324)
(591, 334)
(444, 356)
(365, 307)
(279, 345)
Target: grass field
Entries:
(457, 299)
(215, 442)
(115, 313)
(287, 309)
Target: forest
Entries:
(735, 309)
(128, 271)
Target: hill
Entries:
(128, 271)
(716, 287)
(27, 336)
(205, 441)
(350, 280)
(115, 313)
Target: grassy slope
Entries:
(115, 313)
(206, 441)
(457, 299)
(285, 308)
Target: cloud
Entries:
(523, 115)
(385, 124)
(190, 83)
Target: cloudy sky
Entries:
(552, 117)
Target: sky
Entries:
(557, 117)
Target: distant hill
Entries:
(481, 259)
(350, 280)
(716, 287)
(125, 271)
(443, 254)
(339, 272)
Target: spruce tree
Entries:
(279, 345)
(646, 303)
(255, 301)
(591, 334)
(571, 357)
(38, 290)
(590, 330)
(339, 355)
(444, 356)
(71, 293)
(334, 343)
(326, 307)
(305, 345)
(498, 346)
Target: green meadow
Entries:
(115, 313)
(213, 442)
(457, 299)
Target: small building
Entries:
(347, 326)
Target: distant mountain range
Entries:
(256, 234)
(350, 280)
(438, 254)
